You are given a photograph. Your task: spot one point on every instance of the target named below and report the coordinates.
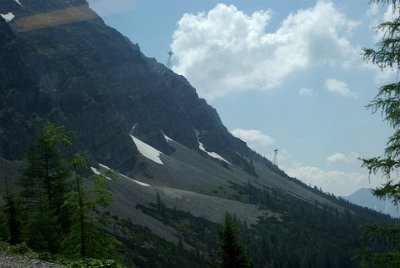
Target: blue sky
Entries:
(281, 74)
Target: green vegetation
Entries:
(145, 249)
(88, 227)
(306, 235)
(58, 214)
(12, 212)
(303, 235)
(231, 252)
(43, 188)
(387, 101)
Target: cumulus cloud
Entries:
(306, 92)
(390, 13)
(373, 10)
(226, 50)
(108, 8)
(339, 87)
(377, 15)
(253, 137)
(335, 181)
(342, 158)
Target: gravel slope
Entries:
(7, 261)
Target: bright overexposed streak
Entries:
(54, 18)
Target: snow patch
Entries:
(168, 139)
(138, 182)
(133, 128)
(147, 151)
(212, 154)
(97, 172)
(104, 166)
(18, 2)
(8, 17)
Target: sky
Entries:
(286, 75)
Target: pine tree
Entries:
(87, 203)
(44, 182)
(12, 213)
(231, 252)
(387, 101)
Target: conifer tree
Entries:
(12, 214)
(44, 183)
(87, 202)
(387, 101)
(231, 252)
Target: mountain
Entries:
(179, 169)
(364, 197)
(113, 82)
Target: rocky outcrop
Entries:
(8, 261)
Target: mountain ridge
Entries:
(65, 84)
(365, 198)
(168, 147)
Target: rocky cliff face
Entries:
(85, 75)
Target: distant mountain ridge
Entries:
(365, 198)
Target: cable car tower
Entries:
(275, 157)
(169, 62)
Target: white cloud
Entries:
(381, 76)
(377, 14)
(226, 50)
(342, 158)
(333, 181)
(253, 137)
(108, 8)
(306, 92)
(390, 14)
(339, 87)
(373, 10)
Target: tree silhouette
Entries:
(231, 252)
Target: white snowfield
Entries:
(8, 17)
(212, 154)
(97, 172)
(147, 151)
